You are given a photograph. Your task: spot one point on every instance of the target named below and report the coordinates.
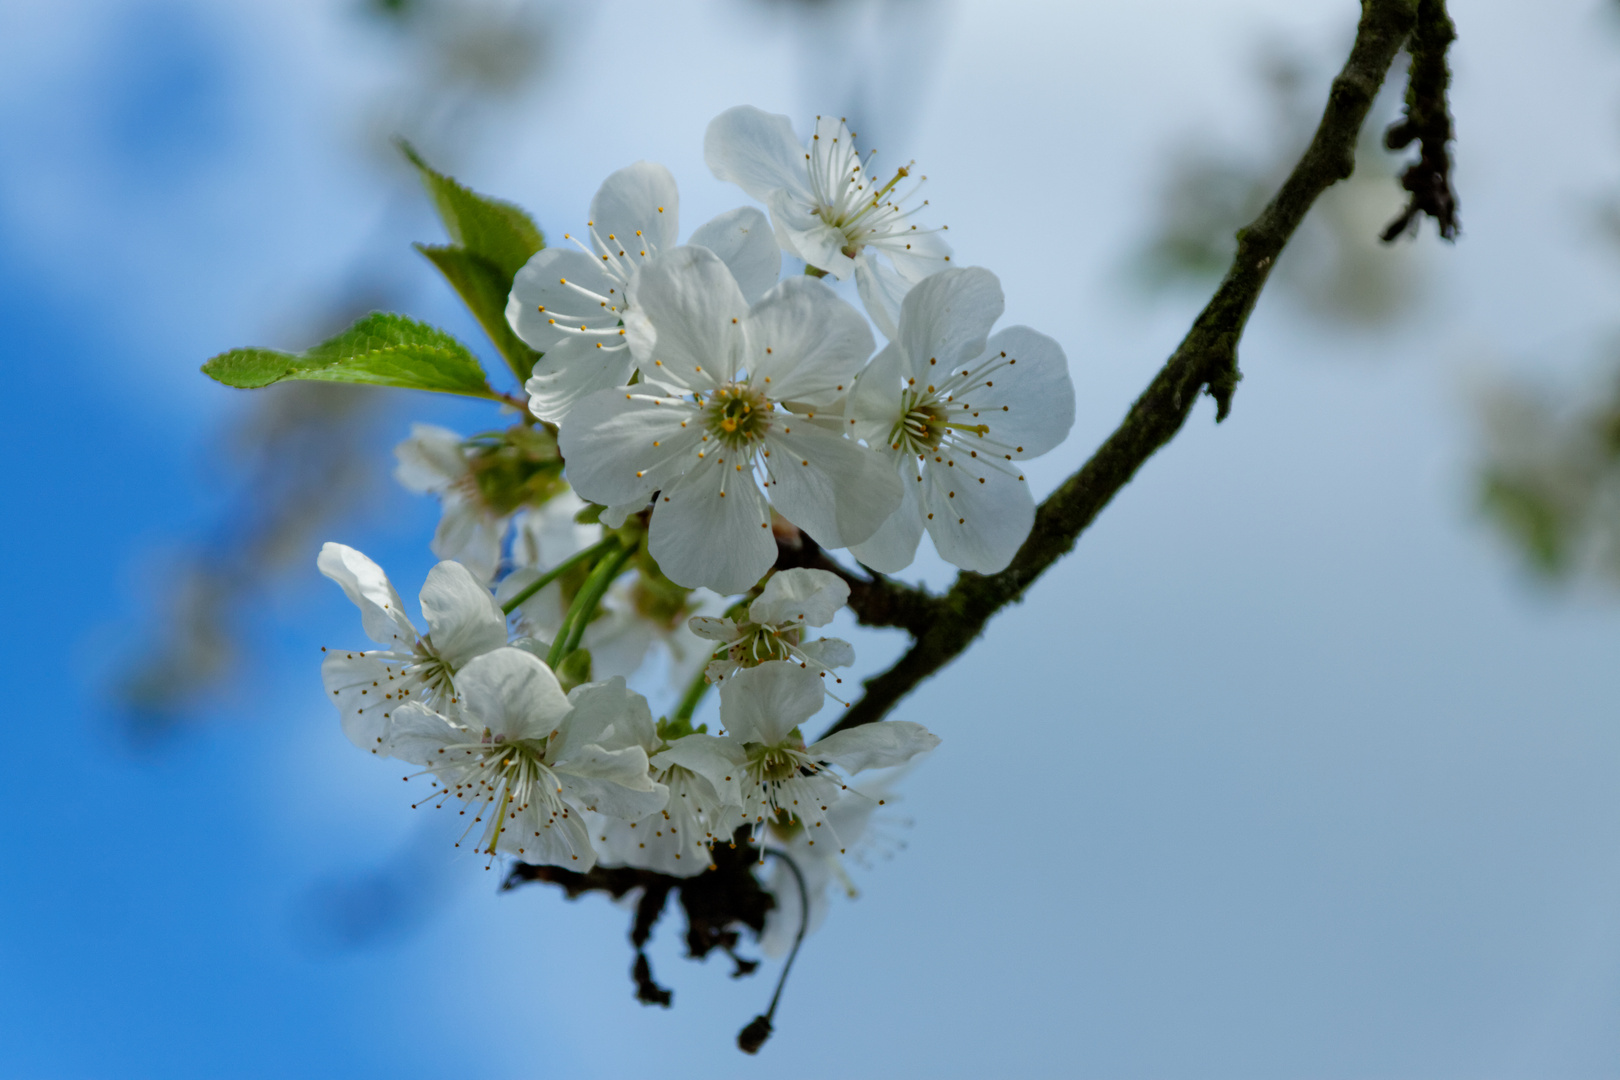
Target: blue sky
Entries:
(1287, 771)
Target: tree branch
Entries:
(876, 600)
(1206, 360)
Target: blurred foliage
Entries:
(1550, 479)
(1548, 471)
(1335, 265)
(298, 457)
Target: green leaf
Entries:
(379, 350)
(483, 286)
(490, 228)
(491, 240)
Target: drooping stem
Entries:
(752, 1037)
(579, 558)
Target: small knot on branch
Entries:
(1222, 385)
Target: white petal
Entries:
(892, 548)
(513, 694)
(757, 151)
(882, 291)
(417, 734)
(718, 760)
(572, 370)
(800, 596)
(615, 516)
(810, 238)
(430, 460)
(875, 400)
(463, 619)
(672, 841)
(804, 343)
(916, 254)
(764, 704)
(744, 241)
(471, 536)
(620, 639)
(830, 652)
(542, 613)
(692, 301)
(563, 294)
(608, 714)
(976, 525)
(362, 687)
(621, 445)
(834, 489)
(613, 782)
(546, 536)
(712, 528)
(637, 203)
(946, 319)
(713, 629)
(363, 582)
(874, 746)
(1030, 404)
(535, 837)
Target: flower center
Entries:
(432, 671)
(757, 644)
(776, 764)
(738, 414)
(922, 424)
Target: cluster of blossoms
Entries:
(690, 404)
(566, 777)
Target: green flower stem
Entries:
(581, 611)
(558, 571)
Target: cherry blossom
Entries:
(825, 206)
(762, 708)
(735, 403)
(368, 687)
(774, 629)
(956, 411)
(433, 460)
(570, 304)
(528, 761)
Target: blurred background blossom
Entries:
(1338, 794)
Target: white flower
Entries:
(761, 707)
(702, 773)
(955, 413)
(570, 304)
(732, 391)
(774, 630)
(825, 207)
(434, 460)
(530, 760)
(368, 687)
